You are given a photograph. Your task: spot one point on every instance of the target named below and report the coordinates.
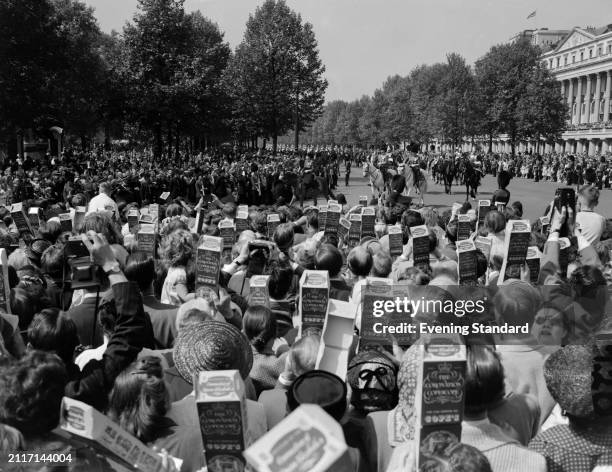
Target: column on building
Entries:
(576, 119)
(570, 98)
(597, 97)
(608, 96)
(587, 100)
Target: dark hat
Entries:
(568, 377)
(341, 199)
(321, 388)
(209, 346)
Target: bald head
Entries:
(360, 261)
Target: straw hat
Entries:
(209, 346)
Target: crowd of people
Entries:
(130, 341)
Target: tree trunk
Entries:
(513, 144)
(169, 141)
(274, 143)
(177, 142)
(296, 138)
(490, 143)
(158, 141)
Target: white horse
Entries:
(419, 187)
(377, 180)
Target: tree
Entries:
(276, 74)
(456, 99)
(519, 95)
(49, 67)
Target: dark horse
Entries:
(471, 179)
(447, 169)
(307, 185)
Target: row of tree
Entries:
(168, 79)
(508, 91)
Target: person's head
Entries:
(517, 207)
(495, 222)
(312, 221)
(51, 331)
(31, 391)
(359, 261)
(18, 259)
(174, 209)
(138, 401)
(101, 222)
(283, 236)
(461, 457)
(329, 258)
(176, 248)
(411, 218)
(372, 377)
(52, 261)
(302, 355)
(451, 231)
(140, 268)
(588, 197)
(279, 283)
(516, 303)
(484, 379)
(430, 216)
(259, 222)
(26, 301)
(105, 188)
(210, 346)
(229, 210)
(381, 265)
(550, 326)
(259, 325)
(414, 276)
(50, 230)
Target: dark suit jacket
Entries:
(163, 319)
(87, 322)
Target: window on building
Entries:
(557, 62)
(590, 53)
(582, 56)
(598, 52)
(582, 108)
(609, 48)
(573, 59)
(574, 109)
(565, 61)
(592, 109)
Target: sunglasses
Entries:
(555, 320)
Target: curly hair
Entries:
(31, 391)
(101, 222)
(177, 248)
(139, 399)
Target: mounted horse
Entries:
(305, 185)
(376, 176)
(471, 179)
(447, 170)
(416, 180)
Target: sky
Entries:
(362, 42)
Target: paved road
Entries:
(534, 196)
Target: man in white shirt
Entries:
(103, 201)
(590, 224)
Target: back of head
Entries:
(495, 221)
(283, 236)
(31, 391)
(281, 278)
(140, 268)
(52, 261)
(259, 326)
(484, 378)
(516, 303)
(329, 258)
(138, 401)
(360, 261)
(588, 196)
(53, 332)
(381, 265)
(302, 356)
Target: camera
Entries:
(83, 272)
